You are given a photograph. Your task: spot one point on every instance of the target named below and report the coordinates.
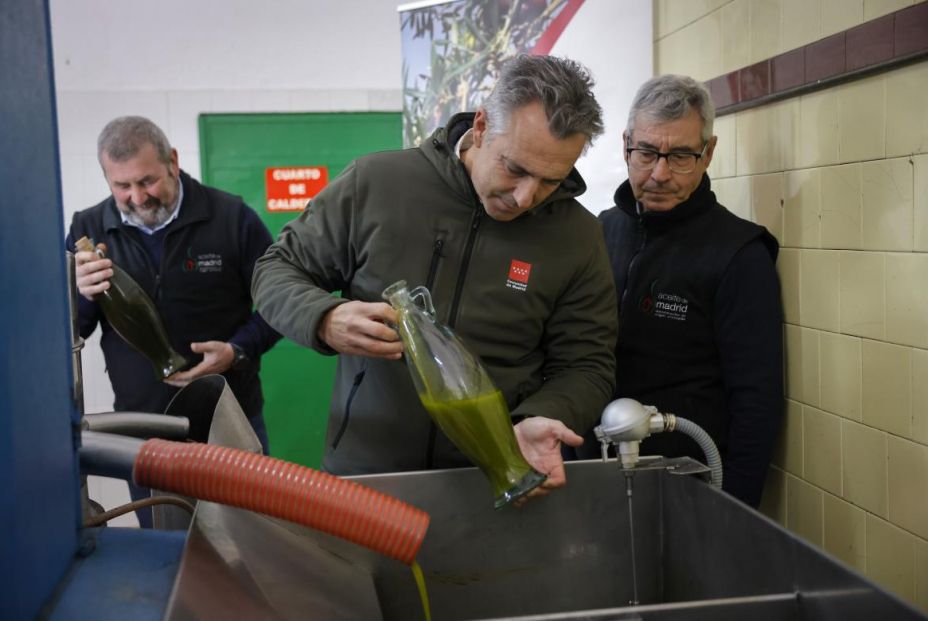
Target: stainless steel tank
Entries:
(700, 555)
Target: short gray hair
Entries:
(123, 137)
(564, 87)
(671, 97)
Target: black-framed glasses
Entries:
(679, 161)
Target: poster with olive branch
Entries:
(452, 51)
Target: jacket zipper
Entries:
(633, 263)
(164, 256)
(151, 265)
(465, 263)
(344, 426)
(433, 266)
(429, 281)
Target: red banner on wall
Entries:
(290, 188)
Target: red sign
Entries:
(290, 188)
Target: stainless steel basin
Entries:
(700, 555)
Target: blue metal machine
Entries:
(39, 490)
(43, 551)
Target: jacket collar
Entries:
(701, 200)
(194, 208)
(439, 149)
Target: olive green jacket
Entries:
(413, 215)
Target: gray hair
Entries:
(122, 138)
(564, 87)
(671, 97)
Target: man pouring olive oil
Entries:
(484, 215)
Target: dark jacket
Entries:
(700, 328)
(414, 215)
(202, 288)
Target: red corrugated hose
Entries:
(284, 490)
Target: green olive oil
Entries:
(482, 430)
(423, 593)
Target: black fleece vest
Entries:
(667, 267)
(198, 289)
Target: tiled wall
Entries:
(840, 177)
(706, 38)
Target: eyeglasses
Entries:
(679, 161)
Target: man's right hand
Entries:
(359, 328)
(92, 273)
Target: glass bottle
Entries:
(135, 318)
(460, 397)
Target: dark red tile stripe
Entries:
(825, 58)
(755, 81)
(911, 32)
(870, 43)
(724, 89)
(877, 45)
(788, 70)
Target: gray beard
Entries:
(161, 215)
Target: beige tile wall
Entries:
(840, 177)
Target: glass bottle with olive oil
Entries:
(134, 317)
(460, 397)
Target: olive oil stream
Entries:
(423, 593)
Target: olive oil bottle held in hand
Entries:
(459, 395)
(135, 318)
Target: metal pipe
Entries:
(108, 454)
(77, 343)
(77, 373)
(139, 425)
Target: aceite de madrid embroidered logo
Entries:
(518, 275)
(662, 304)
(202, 263)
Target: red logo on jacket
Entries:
(518, 275)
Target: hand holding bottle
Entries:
(540, 440)
(360, 328)
(92, 272)
(128, 309)
(218, 356)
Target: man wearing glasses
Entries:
(700, 322)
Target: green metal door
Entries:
(235, 151)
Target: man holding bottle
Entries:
(193, 249)
(484, 215)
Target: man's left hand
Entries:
(540, 442)
(218, 356)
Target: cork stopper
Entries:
(85, 244)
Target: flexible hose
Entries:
(713, 459)
(106, 516)
(284, 490)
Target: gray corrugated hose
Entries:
(713, 459)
